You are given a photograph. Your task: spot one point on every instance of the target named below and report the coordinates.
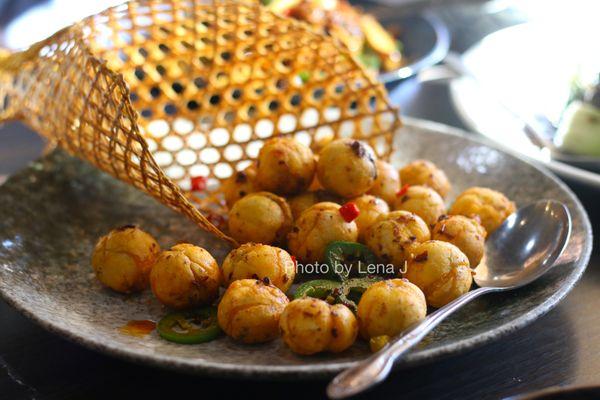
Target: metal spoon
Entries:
(521, 250)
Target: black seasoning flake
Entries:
(412, 238)
(241, 177)
(254, 276)
(266, 280)
(334, 332)
(125, 227)
(421, 257)
(358, 148)
(443, 217)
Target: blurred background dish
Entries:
(540, 78)
(392, 43)
(561, 393)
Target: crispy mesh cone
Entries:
(157, 92)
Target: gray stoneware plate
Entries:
(52, 213)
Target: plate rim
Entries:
(313, 371)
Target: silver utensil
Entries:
(521, 250)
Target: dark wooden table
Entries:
(561, 348)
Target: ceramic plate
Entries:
(53, 212)
(530, 84)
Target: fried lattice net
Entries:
(158, 92)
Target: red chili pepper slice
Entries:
(403, 191)
(349, 211)
(198, 183)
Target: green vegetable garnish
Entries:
(304, 76)
(348, 258)
(369, 58)
(190, 327)
(319, 289)
(347, 293)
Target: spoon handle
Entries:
(376, 368)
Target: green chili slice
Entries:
(190, 327)
(318, 288)
(347, 293)
(353, 289)
(346, 259)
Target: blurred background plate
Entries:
(424, 36)
(524, 73)
(425, 40)
(561, 393)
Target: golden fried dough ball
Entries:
(259, 261)
(347, 168)
(426, 173)
(239, 184)
(440, 270)
(122, 259)
(310, 326)
(387, 183)
(465, 233)
(423, 201)
(285, 166)
(316, 227)
(185, 276)
(250, 310)
(260, 217)
(303, 201)
(371, 208)
(392, 236)
(490, 206)
(389, 307)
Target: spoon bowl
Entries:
(525, 246)
(522, 249)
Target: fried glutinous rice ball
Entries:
(122, 259)
(310, 326)
(423, 201)
(303, 201)
(250, 310)
(387, 183)
(440, 270)
(316, 227)
(239, 184)
(259, 261)
(185, 276)
(260, 217)
(465, 233)
(490, 206)
(371, 208)
(425, 173)
(347, 168)
(285, 166)
(393, 235)
(389, 307)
